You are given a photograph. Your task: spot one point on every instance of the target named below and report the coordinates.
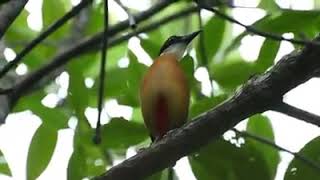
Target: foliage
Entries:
(238, 158)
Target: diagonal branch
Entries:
(74, 11)
(9, 12)
(258, 32)
(260, 93)
(302, 158)
(297, 113)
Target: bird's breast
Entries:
(164, 96)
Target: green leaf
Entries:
(114, 54)
(41, 150)
(115, 86)
(86, 162)
(268, 53)
(260, 125)
(88, 159)
(205, 104)
(19, 29)
(78, 93)
(39, 55)
(213, 32)
(269, 5)
(52, 11)
(298, 169)
(4, 168)
(56, 118)
(76, 165)
(95, 22)
(223, 160)
(187, 64)
(279, 23)
(137, 115)
(133, 77)
(233, 72)
(121, 134)
(152, 44)
(135, 73)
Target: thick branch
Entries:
(9, 12)
(297, 113)
(258, 95)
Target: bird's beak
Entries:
(188, 38)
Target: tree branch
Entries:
(258, 32)
(297, 113)
(74, 11)
(9, 12)
(302, 158)
(84, 46)
(258, 95)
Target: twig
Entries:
(74, 11)
(132, 21)
(295, 112)
(86, 46)
(9, 12)
(259, 94)
(258, 32)
(302, 158)
(97, 138)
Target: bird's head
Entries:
(177, 44)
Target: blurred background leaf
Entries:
(4, 167)
(300, 170)
(40, 151)
(260, 125)
(223, 160)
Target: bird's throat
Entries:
(176, 49)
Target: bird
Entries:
(164, 91)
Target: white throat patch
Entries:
(176, 49)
